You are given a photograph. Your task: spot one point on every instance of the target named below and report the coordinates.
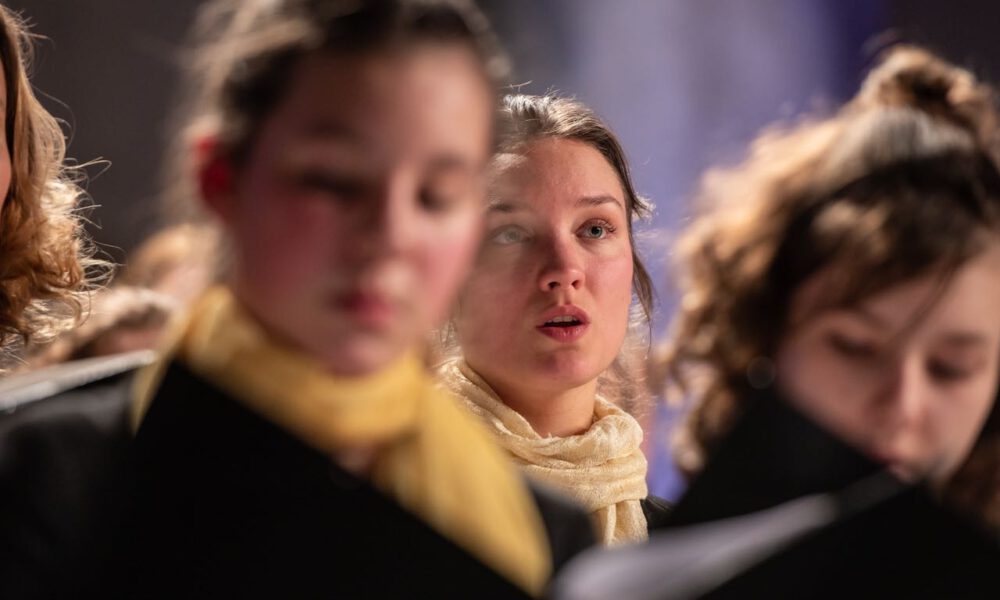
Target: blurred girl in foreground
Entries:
(288, 442)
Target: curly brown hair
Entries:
(899, 183)
(47, 268)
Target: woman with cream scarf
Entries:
(543, 321)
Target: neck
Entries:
(559, 413)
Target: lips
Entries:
(566, 323)
(366, 308)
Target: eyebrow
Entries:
(599, 200)
(505, 207)
(868, 316)
(323, 129)
(511, 207)
(964, 339)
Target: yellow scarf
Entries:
(603, 468)
(429, 455)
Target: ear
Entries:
(216, 181)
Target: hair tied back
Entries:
(910, 77)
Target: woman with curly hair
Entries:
(839, 333)
(855, 263)
(45, 257)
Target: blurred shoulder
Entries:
(567, 524)
(656, 510)
(64, 434)
(69, 398)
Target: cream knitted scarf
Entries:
(603, 468)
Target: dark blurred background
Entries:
(685, 83)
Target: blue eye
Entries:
(597, 230)
(506, 236)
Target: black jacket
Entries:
(210, 500)
(785, 509)
(656, 510)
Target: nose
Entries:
(563, 266)
(906, 391)
(387, 222)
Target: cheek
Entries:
(490, 311)
(611, 283)
(798, 373)
(819, 383)
(954, 428)
(445, 259)
(483, 297)
(284, 239)
(975, 405)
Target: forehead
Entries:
(555, 173)
(430, 94)
(967, 301)
(972, 298)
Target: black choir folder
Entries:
(786, 510)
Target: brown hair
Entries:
(527, 118)
(899, 183)
(47, 267)
(244, 51)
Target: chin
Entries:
(905, 473)
(358, 357)
(566, 374)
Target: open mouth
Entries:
(565, 321)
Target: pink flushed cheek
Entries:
(289, 246)
(442, 269)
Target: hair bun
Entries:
(910, 77)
